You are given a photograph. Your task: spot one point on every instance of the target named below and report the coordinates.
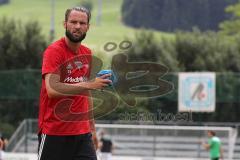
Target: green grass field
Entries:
(111, 28)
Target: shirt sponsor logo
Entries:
(75, 80)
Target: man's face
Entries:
(76, 26)
(209, 134)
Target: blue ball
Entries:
(113, 76)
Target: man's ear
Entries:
(65, 24)
(88, 26)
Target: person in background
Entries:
(106, 146)
(1, 148)
(213, 146)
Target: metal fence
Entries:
(144, 140)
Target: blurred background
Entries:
(197, 40)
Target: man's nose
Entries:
(78, 25)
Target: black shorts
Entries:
(79, 147)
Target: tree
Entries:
(194, 51)
(4, 2)
(232, 26)
(87, 4)
(147, 48)
(21, 46)
(170, 15)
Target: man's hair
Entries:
(212, 133)
(80, 9)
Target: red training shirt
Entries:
(65, 115)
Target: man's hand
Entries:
(205, 145)
(221, 153)
(95, 140)
(93, 129)
(100, 82)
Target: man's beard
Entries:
(74, 39)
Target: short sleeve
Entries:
(89, 64)
(86, 57)
(52, 60)
(210, 142)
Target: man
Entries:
(214, 146)
(65, 115)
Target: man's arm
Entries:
(55, 88)
(1, 144)
(221, 153)
(112, 146)
(92, 122)
(206, 145)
